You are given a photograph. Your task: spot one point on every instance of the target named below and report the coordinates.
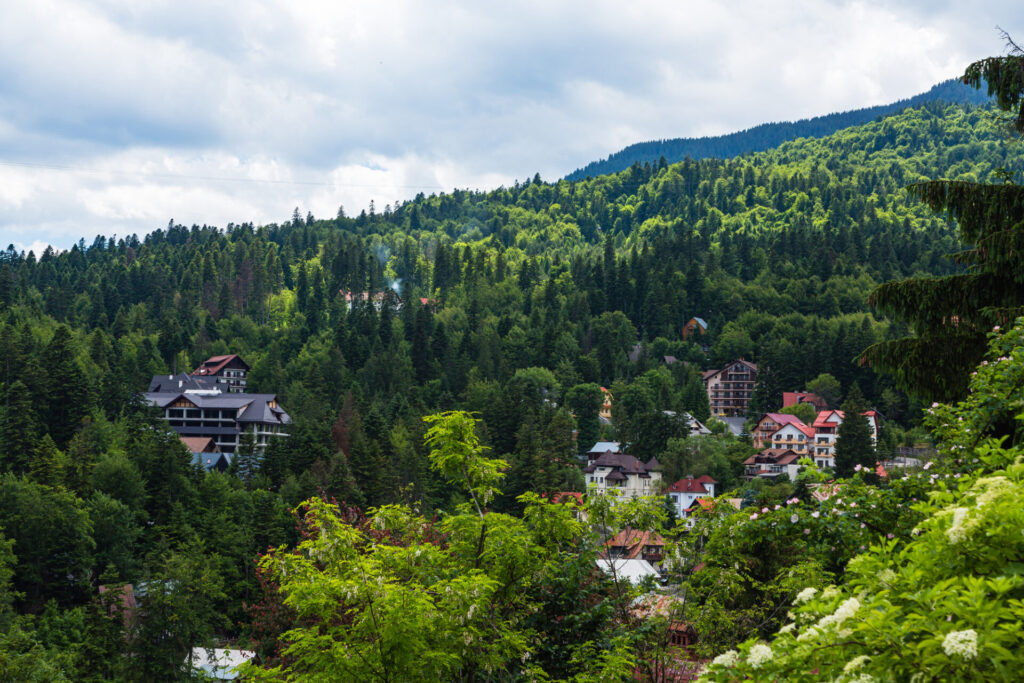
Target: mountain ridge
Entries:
(766, 136)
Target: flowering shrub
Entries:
(948, 602)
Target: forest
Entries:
(768, 135)
(515, 305)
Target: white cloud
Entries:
(380, 100)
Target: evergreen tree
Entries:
(951, 315)
(67, 391)
(853, 442)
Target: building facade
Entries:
(731, 388)
(212, 405)
(623, 475)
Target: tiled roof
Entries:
(823, 418)
(688, 485)
(200, 444)
(214, 364)
(634, 541)
(705, 479)
(619, 462)
(783, 419)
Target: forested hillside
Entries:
(517, 303)
(769, 135)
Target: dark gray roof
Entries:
(180, 382)
(255, 408)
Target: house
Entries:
(792, 398)
(206, 453)
(826, 429)
(605, 414)
(772, 462)
(684, 492)
(693, 327)
(768, 425)
(229, 372)
(731, 388)
(630, 544)
(679, 661)
(623, 475)
(207, 407)
(796, 436)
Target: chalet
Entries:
(684, 492)
(203, 406)
(228, 372)
(693, 327)
(768, 425)
(731, 388)
(623, 475)
(826, 429)
(792, 398)
(772, 462)
(631, 544)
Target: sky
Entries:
(117, 117)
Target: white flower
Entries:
(956, 532)
(812, 632)
(847, 610)
(962, 643)
(728, 659)
(794, 518)
(805, 595)
(830, 593)
(787, 628)
(855, 663)
(758, 655)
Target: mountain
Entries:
(769, 135)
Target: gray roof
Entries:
(602, 446)
(180, 382)
(254, 408)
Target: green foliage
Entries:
(944, 601)
(384, 598)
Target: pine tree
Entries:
(853, 441)
(951, 315)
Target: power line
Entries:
(182, 176)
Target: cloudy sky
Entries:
(118, 116)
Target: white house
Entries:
(623, 475)
(685, 491)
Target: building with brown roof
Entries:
(623, 475)
(772, 462)
(229, 372)
(731, 388)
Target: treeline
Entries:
(768, 135)
(519, 304)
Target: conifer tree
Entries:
(951, 315)
(853, 442)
